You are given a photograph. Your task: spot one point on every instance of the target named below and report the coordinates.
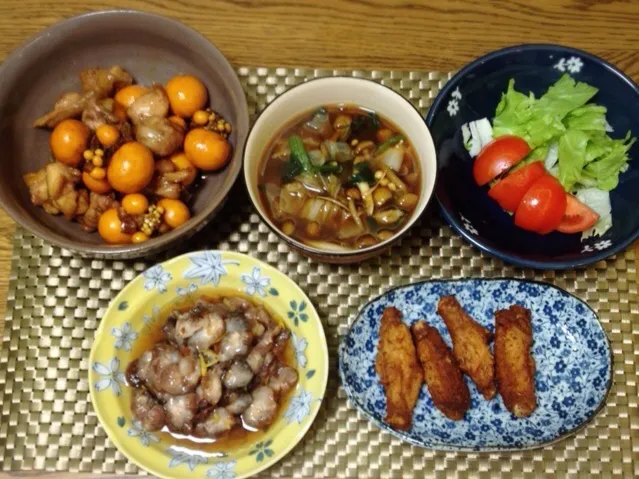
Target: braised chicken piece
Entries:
(202, 326)
(284, 379)
(97, 83)
(159, 135)
(98, 204)
(147, 410)
(154, 103)
(167, 369)
(47, 183)
(218, 422)
(210, 388)
(69, 105)
(239, 403)
(54, 188)
(237, 341)
(238, 376)
(99, 112)
(102, 82)
(262, 410)
(168, 181)
(258, 354)
(222, 365)
(180, 411)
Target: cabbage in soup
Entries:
(340, 178)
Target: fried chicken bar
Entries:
(398, 368)
(444, 379)
(514, 364)
(470, 345)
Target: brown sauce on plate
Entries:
(239, 436)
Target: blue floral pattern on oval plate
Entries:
(570, 348)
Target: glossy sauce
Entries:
(238, 436)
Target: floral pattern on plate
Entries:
(124, 336)
(208, 267)
(137, 311)
(110, 376)
(222, 470)
(258, 284)
(570, 349)
(145, 437)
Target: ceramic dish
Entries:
(153, 49)
(474, 93)
(133, 313)
(571, 351)
(334, 91)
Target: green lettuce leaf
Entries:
(572, 157)
(513, 112)
(541, 121)
(587, 118)
(598, 146)
(543, 129)
(538, 153)
(612, 160)
(564, 96)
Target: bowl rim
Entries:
(100, 334)
(337, 255)
(450, 216)
(196, 222)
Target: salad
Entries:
(550, 161)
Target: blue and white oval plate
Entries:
(570, 348)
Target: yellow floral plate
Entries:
(136, 311)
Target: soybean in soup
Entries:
(340, 178)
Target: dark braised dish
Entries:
(125, 159)
(222, 364)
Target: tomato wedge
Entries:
(543, 206)
(497, 156)
(578, 217)
(509, 191)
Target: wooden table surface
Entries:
(440, 35)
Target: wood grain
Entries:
(394, 34)
(403, 35)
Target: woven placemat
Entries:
(56, 299)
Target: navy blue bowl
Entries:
(474, 93)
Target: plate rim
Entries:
(483, 449)
(100, 333)
(509, 256)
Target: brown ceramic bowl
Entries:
(306, 98)
(153, 49)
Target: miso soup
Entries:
(340, 178)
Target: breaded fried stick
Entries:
(398, 368)
(470, 345)
(444, 379)
(514, 364)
